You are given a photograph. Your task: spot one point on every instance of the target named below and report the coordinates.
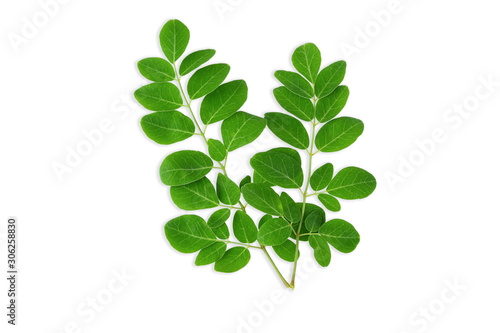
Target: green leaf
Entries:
(314, 220)
(288, 129)
(338, 134)
(263, 198)
(330, 203)
(184, 167)
(295, 83)
(300, 107)
(290, 209)
(227, 191)
(264, 219)
(188, 233)
(206, 79)
(164, 96)
(307, 60)
(218, 218)
(309, 209)
(216, 150)
(352, 183)
(167, 127)
(322, 252)
(156, 69)
(245, 180)
(286, 251)
(174, 38)
(222, 231)
(244, 228)
(240, 129)
(340, 234)
(223, 102)
(329, 79)
(278, 169)
(198, 195)
(259, 179)
(195, 60)
(274, 232)
(233, 260)
(322, 177)
(210, 254)
(331, 105)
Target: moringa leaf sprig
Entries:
(309, 96)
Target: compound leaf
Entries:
(198, 195)
(295, 83)
(307, 60)
(288, 129)
(352, 183)
(233, 260)
(286, 251)
(240, 129)
(245, 180)
(331, 203)
(278, 169)
(222, 231)
(223, 102)
(156, 69)
(210, 254)
(274, 232)
(244, 228)
(300, 107)
(206, 79)
(227, 191)
(159, 96)
(322, 177)
(188, 233)
(218, 218)
(330, 106)
(167, 127)
(338, 134)
(184, 167)
(263, 198)
(216, 150)
(322, 252)
(340, 234)
(195, 60)
(264, 219)
(329, 78)
(291, 210)
(174, 38)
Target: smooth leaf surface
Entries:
(195, 60)
(309, 209)
(278, 169)
(340, 234)
(300, 107)
(330, 202)
(210, 254)
(223, 102)
(218, 218)
(227, 191)
(291, 210)
(198, 195)
(184, 167)
(216, 150)
(329, 79)
(174, 38)
(322, 177)
(263, 198)
(156, 69)
(330, 106)
(314, 220)
(288, 129)
(286, 251)
(352, 183)
(167, 127)
(264, 219)
(206, 79)
(240, 129)
(322, 252)
(233, 260)
(295, 83)
(338, 134)
(245, 180)
(307, 60)
(222, 232)
(188, 233)
(274, 232)
(164, 96)
(244, 228)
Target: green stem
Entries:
(237, 243)
(275, 267)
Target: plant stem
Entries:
(223, 168)
(304, 195)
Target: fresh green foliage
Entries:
(312, 98)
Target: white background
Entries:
(440, 224)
